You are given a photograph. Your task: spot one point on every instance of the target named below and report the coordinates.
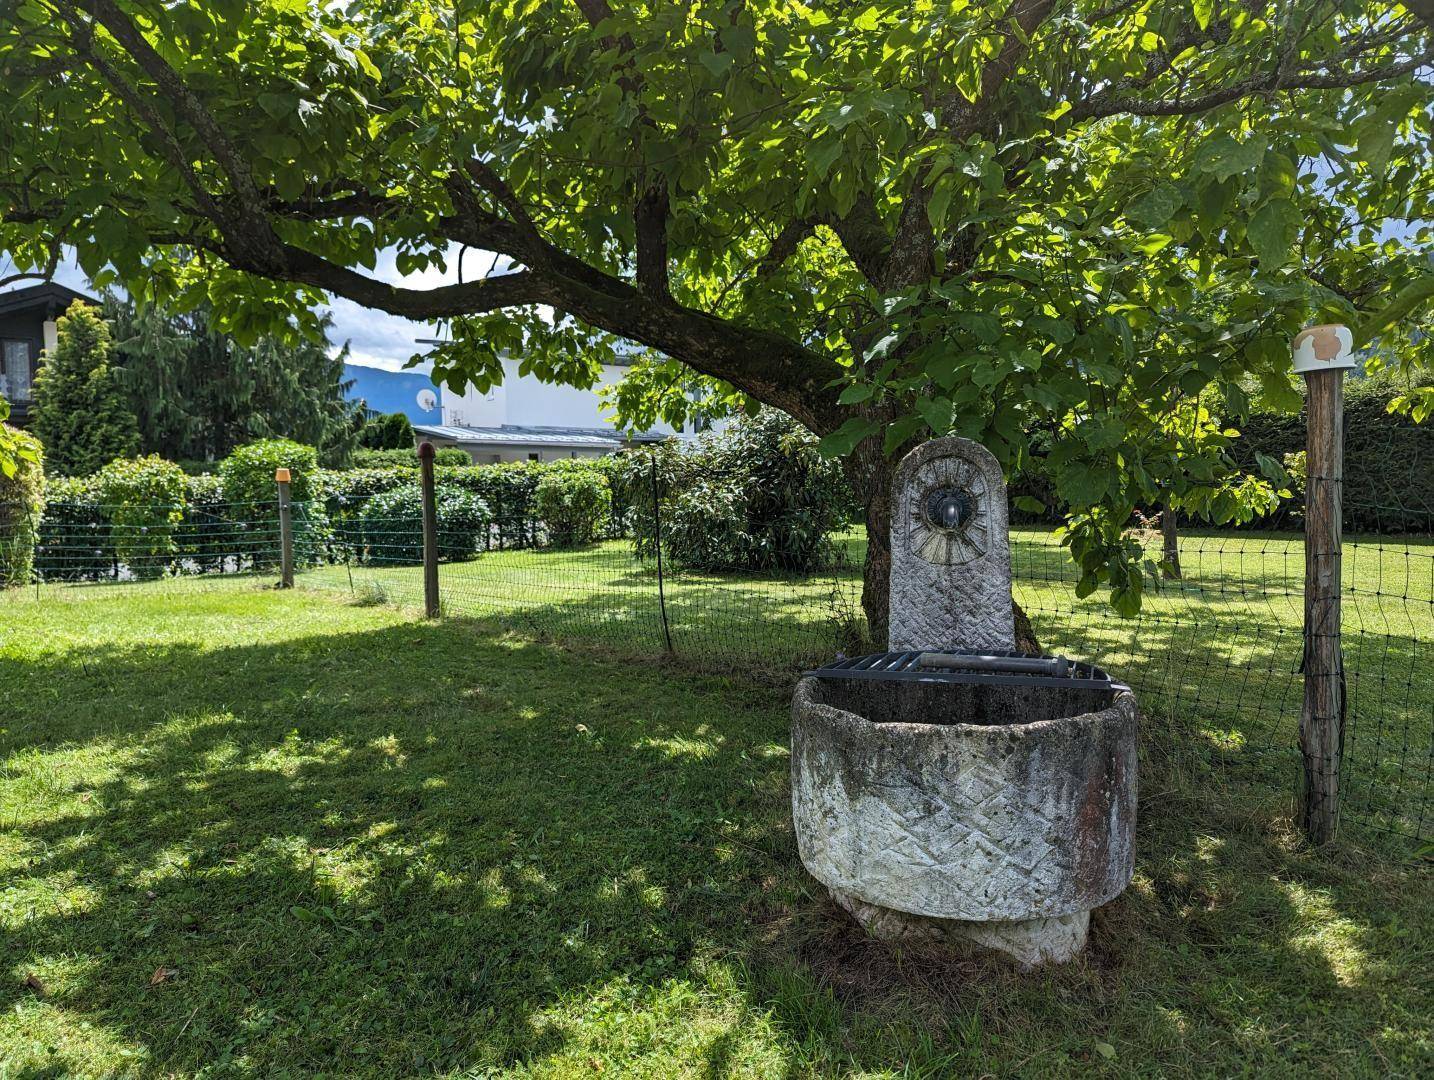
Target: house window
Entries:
(535, 457)
(15, 370)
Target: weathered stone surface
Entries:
(1032, 942)
(950, 580)
(993, 813)
(1027, 814)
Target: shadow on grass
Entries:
(407, 849)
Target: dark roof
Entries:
(518, 435)
(48, 295)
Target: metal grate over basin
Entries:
(984, 668)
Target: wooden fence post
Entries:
(430, 530)
(1321, 355)
(286, 530)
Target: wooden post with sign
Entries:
(430, 529)
(286, 530)
(1321, 355)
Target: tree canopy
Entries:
(198, 394)
(1097, 219)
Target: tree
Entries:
(887, 219)
(81, 413)
(390, 431)
(198, 394)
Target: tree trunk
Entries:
(871, 472)
(1170, 536)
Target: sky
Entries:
(375, 339)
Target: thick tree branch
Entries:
(914, 243)
(185, 101)
(652, 206)
(1111, 103)
(650, 222)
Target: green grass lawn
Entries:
(1215, 656)
(250, 832)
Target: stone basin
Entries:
(1002, 814)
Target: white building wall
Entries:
(526, 401)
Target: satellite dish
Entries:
(427, 400)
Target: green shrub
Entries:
(388, 431)
(22, 502)
(389, 528)
(507, 489)
(377, 459)
(144, 503)
(74, 540)
(572, 502)
(343, 492)
(757, 496)
(382, 459)
(205, 536)
(247, 476)
(248, 473)
(1388, 459)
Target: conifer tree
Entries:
(81, 414)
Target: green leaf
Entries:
(1272, 231)
(1413, 295)
(901, 431)
(843, 440)
(1084, 485)
(1030, 504)
(1156, 206)
(1202, 10)
(1224, 157)
(936, 412)
(717, 63)
(856, 393)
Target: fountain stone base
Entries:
(997, 814)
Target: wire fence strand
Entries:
(1214, 655)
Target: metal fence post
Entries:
(657, 544)
(430, 530)
(1321, 355)
(286, 530)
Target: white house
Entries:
(525, 419)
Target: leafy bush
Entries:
(388, 431)
(508, 490)
(248, 473)
(382, 459)
(22, 501)
(247, 476)
(572, 502)
(389, 528)
(757, 496)
(343, 492)
(205, 536)
(143, 501)
(74, 540)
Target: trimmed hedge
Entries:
(389, 528)
(247, 479)
(1388, 460)
(572, 503)
(378, 459)
(22, 502)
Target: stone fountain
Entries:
(951, 788)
